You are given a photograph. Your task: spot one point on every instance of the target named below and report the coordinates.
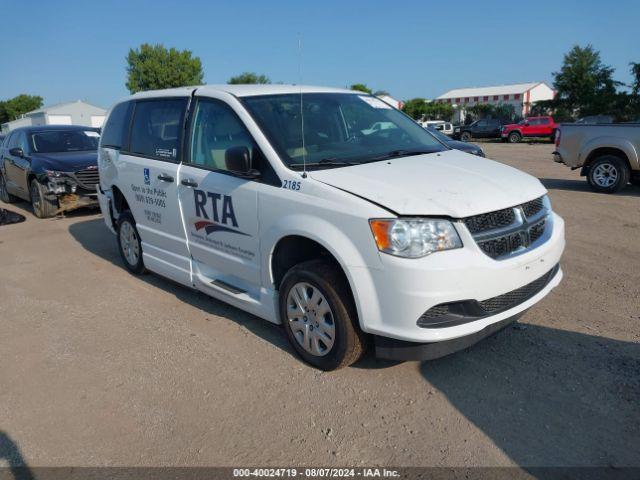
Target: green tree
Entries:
(248, 78)
(152, 67)
(16, 106)
(635, 71)
(584, 85)
(416, 108)
(361, 87)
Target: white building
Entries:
(391, 101)
(521, 95)
(72, 113)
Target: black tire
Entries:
(44, 205)
(349, 342)
(465, 136)
(125, 222)
(514, 137)
(5, 196)
(605, 167)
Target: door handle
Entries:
(187, 182)
(165, 178)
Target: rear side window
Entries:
(156, 129)
(544, 121)
(114, 133)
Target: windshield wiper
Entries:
(398, 154)
(325, 162)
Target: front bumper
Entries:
(391, 300)
(391, 349)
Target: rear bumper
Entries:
(104, 199)
(392, 349)
(557, 157)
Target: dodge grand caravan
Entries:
(284, 202)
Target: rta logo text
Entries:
(216, 211)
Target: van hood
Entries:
(450, 183)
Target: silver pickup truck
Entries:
(609, 154)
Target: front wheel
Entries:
(465, 137)
(129, 243)
(319, 315)
(608, 174)
(514, 137)
(44, 205)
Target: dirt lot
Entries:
(98, 367)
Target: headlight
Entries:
(54, 174)
(414, 237)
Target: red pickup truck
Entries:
(529, 127)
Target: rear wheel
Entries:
(5, 196)
(129, 243)
(465, 136)
(608, 174)
(514, 137)
(44, 205)
(319, 316)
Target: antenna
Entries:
(304, 151)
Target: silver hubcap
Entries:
(605, 175)
(311, 319)
(129, 243)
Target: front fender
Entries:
(356, 265)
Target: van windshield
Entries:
(339, 129)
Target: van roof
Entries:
(242, 90)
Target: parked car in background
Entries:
(607, 154)
(456, 144)
(592, 119)
(378, 126)
(440, 125)
(52, 166)
(530, 127)
(484, 128)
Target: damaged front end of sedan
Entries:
(72, 190)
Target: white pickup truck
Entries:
(608, 154)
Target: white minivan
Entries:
(284, 201)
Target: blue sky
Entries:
(69, 50)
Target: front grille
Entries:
(533, 207)
(87, 178)
(465, 311)
(536, 231)
(490, 221)
(504, 232)
(501, 246)
(516, 297)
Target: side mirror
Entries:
(238, 160)
(17, 152)
(526, 124)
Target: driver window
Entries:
(216, 128)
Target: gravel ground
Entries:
(99, 367)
